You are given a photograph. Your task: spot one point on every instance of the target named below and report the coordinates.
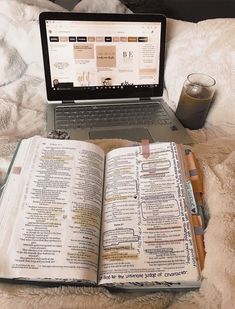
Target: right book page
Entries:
(146, 237)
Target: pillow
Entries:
(101, 6)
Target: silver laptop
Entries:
(104, 76)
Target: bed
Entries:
(207, 46)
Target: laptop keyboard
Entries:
(72, 117)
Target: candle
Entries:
(195, 100)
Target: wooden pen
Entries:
(198, 231)
(193, 172)
(199, 218)
(197, 185)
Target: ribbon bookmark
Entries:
(145, 148)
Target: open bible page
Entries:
(146, 233)
(50, 211)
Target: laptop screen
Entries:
(95, 56)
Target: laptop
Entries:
(104, 76)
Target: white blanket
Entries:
(207, 47)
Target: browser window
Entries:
(103, 54)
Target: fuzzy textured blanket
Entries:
(207, 47)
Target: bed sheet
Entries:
(207, 46)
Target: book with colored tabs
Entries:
(72, 214)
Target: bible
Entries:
(71, 214)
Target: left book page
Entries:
(50, 212)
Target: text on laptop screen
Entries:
(103, 54)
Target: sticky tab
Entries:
(16, 170)
(145, 148)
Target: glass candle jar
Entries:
(195, 100)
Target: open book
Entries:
(71, 213)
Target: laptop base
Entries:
(170, 132)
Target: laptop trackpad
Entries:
(133, 134)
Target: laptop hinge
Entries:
(145, 99)
(68, 101)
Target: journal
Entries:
(70, 213)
